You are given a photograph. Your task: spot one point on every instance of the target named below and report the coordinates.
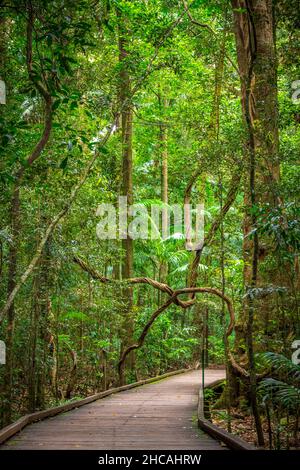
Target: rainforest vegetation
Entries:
(165, 102)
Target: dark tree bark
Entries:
(256, 53)
(254, 33)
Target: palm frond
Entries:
(282, 365)
(280, 392)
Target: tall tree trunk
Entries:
(41, 344)
(164, 164)
(219, 74)
(127, 183)
(15, 218)
(256, 53)
(12, 272)
(73, 375)
(12, 256)
(163, 135)
(33, 346)
(254, 29)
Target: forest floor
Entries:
(242, 425)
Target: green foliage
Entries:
(60, 309)
(285, 392)
(216, 349)
(283, 225)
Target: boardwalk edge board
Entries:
(17, 426)
(233, 442)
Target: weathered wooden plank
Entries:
(155, 416)
(17, 426)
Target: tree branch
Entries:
(174, 294)
(135, 280)
(234, 185)
(143, 335)
(85, 174)
(162, 308)
(210, 29)
(41, 144)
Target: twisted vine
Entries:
(173, 299)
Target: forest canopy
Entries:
(165, 103)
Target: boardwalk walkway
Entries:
(161, 415)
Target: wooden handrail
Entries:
(233, 442)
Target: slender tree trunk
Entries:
(15, 217)
(219, 74)
(45, 335)
(198, 325)
(12, 272)
(54, 364)
(12, 256)
(127, 179)
(42, 342)
(33, 347)
(72, 376)
(163, 136)
(164, 166)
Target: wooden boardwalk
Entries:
(161, 415)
